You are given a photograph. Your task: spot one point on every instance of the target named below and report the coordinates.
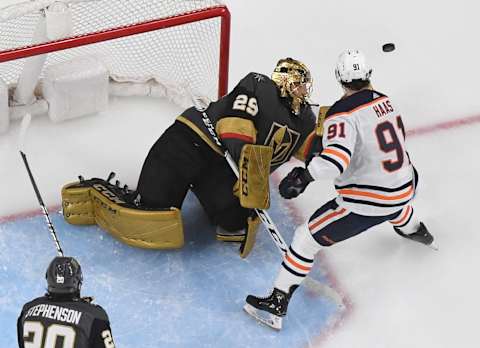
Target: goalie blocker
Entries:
(96, 201)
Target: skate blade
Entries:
(433, 246)
(266, 318)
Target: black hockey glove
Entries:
(295, 182)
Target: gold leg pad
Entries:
(97, 202)
(247, 245)
(77, 205)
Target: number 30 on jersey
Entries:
(56, 335)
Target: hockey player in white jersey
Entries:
(364, 152)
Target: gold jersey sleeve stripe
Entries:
(235, 127)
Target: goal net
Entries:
(53, 52)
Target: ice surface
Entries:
(400, 294)
(183, 298)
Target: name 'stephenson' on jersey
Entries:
(77, 323)
(364, 150)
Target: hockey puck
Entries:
(388, 47)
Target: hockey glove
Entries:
(294, 183)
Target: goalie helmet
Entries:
(294, 81)
(64, 276)
(352, 65)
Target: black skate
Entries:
(422, 236)
(269, 310)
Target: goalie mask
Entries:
(64, 276)
(294, 81)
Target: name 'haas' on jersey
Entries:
(383, 108)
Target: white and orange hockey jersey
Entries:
(364, 149)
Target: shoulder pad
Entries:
(34, 301)
(353, 101)
(95, 309)
(252, 80)
(101, 313)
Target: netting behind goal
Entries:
(180, 43)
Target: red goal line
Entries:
(445, 125)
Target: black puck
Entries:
(388, 47)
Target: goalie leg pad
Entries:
(77, 205)
(96, 201)
(254, 167)
(321, 120)
(251, 237)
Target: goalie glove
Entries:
(295, 182)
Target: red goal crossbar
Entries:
(138, 28)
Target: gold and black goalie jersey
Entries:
(255, 113)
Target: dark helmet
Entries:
(64, 276)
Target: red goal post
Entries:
(185, 42)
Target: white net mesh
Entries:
(185, 55)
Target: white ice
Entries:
(402, 294)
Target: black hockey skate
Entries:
(421, 235)
(269, 310)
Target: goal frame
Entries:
(139, 28)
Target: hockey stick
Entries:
(42, 205)
(312, 284)
(23, 129)
(262, 214)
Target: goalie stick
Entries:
(312, 284)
